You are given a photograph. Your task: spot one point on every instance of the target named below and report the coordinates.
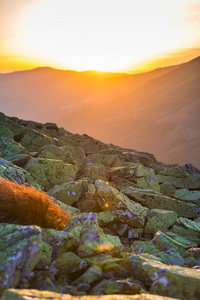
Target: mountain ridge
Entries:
(141, 108)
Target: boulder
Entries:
(162, 242)
(165, 280)
(180, 177)
(67, 153)
(13, 151)
(129, 211)
(93, 274)
(107, 161)
(33, 140)
(69, 192)
(19, 253)
(142, 176)
(95, 172)
(13, 173)
(105, 261)
(158, 219)
(12, 294)
(92, 240)
(69, 262)
(155, 200)
(144, 247)
(49, 172)
(167, 189)
(114, 286)
(188, 196)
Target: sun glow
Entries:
(101, 35)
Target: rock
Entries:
(171, 257)
(51, 126)
(188, 224)
(110, 199)
(13, 152)
(93, 274)
(69, 192)
(165, 280)
(19, 253)
(155, 200)
(127, 198)
(144, 247)
(189, 229)
(96, 172)
(13, 294)
(167, 189)
(67, 153)
(105, 261)
(113, 286)
(188, 196)
(60, 241)
(33, 140)
(135, 233)
(88, 203)
(92, 240)
(144, 158)
(141, 176)
(185, 241)
(49, 172)
(180, 177)
(163, 243)
(107, 161)
(45, 255)
(105, 218)
(69, 262)
(158, 219)
(14, 173)
(5, 132)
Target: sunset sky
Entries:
(106, 35)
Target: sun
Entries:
(103, 35)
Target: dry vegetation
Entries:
(27, 206)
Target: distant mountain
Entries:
(157, 111)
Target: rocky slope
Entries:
(135, 226)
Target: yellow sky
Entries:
(108, 35)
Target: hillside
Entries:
(155, 111)
(161, 116)
(80, 217)
(44, 94)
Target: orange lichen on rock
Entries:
(24, 205)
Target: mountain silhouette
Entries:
(156, 112)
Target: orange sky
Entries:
(106, 35)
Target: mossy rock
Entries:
(13, 151)
(92, 240)
(95, 172)
(155, 200)
(158, 219)
(69, 192)
(14, 173)
(20, 248)
(49, 172)
(69, 262)
(144, 247)
(188, 196)
(116, 286)
(129, 211)
(107, 161)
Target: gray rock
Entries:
(19, 253)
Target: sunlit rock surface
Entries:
(134, 230)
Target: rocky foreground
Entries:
(135, 226)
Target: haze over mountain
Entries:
(157, 111)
